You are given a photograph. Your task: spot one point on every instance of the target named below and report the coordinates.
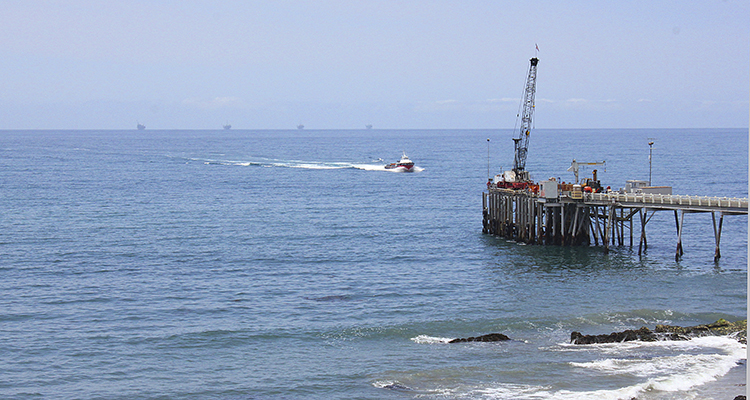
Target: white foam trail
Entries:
(303, 164)
(314, 165)
(402, 169)
(369, 167)
(424, 339)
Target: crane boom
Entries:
(522, 141)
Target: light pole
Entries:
(650, 150)
(488, 159)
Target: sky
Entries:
(342, 64)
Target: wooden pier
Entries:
(601, 219)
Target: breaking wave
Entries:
(424, 339)
(689, 363)
(645, 370)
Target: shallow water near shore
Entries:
(291, 264)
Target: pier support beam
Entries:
(717, 234)
(642, 240)
(601, 224)
(575, 227)
(679, 222)
(563, 229)
(594, 217)
(608, 230)
(644, 220)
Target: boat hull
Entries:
(404, 164)
(407, 167)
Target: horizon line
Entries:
(342, 129)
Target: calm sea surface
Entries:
(291, 264)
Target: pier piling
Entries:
(527, 217)
(717, 234)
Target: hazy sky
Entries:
(180, 64)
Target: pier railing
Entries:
(682, 202)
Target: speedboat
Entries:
(404, 163)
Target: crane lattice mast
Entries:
(522, 141)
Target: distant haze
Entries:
(394, 64)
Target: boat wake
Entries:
(276, 163)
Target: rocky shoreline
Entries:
(722, 327)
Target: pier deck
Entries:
(726, 205)
(527, 217)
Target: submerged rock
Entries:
(396, 386)
(721, 327)
(492, 337)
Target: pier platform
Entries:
(599, 219)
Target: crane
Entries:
(518, 177)
(522, 141)
(575, 164)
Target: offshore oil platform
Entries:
(584, 213)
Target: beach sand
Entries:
(727, 387)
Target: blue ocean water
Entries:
(250, 264)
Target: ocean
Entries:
(290, 264)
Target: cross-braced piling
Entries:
(601, 219)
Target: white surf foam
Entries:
(424, 339)
(678, 372)
(676, 367)
(521, 392)
(385, 383)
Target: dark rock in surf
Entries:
(721, 327)
(492, 337)
(644, 334)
